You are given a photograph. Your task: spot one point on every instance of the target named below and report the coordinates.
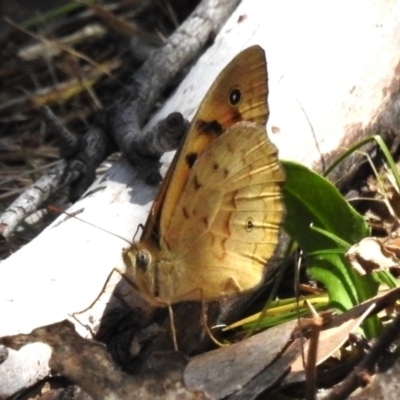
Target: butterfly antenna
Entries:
(73, 215)
(140, 226)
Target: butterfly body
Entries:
(215, 221)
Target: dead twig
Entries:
(155, 74)
(30, 200)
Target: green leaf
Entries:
(312, 200)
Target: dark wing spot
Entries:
(196, 183)
(249, 225)
(185, 212)
(215, 127)
(207, 128)
(226, 173)
(191, 159)
(215, 167)
(235, 96)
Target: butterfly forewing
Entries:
(245, 76)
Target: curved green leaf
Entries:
(311, 200)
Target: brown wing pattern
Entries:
(225, 225)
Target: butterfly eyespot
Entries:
(143, 259)
(249, 225)
(235, 96)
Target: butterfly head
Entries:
(141, 268)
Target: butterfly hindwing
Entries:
(227, 220)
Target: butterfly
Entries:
(215, 221)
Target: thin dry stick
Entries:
(30, 200)
(147, 86)
(311, 367)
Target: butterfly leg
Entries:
(173, 330)
(203, 317)
(74, 314)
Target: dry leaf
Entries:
(371, 255)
